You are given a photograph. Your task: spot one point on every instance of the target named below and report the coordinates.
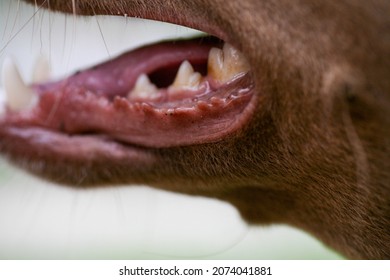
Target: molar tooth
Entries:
(225, 64)
(143, 89)
(215, 64)
(235, 60)
(17, 94)
(42, 70)
(186, 78)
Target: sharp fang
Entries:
(42, 70)
(143, 89)
(2, 102)
(17, 94)
(226, 64)
(186, 78)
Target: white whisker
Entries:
(102, 35)
(6, 21)
(20, 29)
(17, 14)
(64, 37)
(73, 39)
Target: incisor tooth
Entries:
(225, 64)
(186, 78)
(143, 89)
(42, 70)
(17, 94)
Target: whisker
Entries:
(17, 14)
(73, 39)
(21, 28)
(41, 17)
(51, 20)
(64, 38)
(102, 35)
(53, 110)
(6, 21)
(121, 211)
(33, 27)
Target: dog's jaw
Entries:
(315, 154)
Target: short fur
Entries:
(316, 153)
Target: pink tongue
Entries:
(159, 61)
(94, 101)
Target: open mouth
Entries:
(166, 94)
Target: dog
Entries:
(298, 133)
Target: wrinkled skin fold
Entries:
(314, 150)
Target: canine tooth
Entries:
(186, 77)
(143, 89)
(2, 102)
(42, 70)
(17, 94)
(225, 64)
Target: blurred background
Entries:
(42, 220)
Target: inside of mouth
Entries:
(165, 94)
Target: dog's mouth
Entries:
(166, 94)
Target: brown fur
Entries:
(316, 153)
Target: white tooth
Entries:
(215, 64)
(226, 64)
(42, 70)
(186, 78)
(2, 102)
(143, 89)
(235, 59)
(17, 94)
